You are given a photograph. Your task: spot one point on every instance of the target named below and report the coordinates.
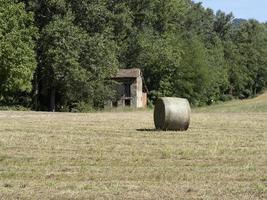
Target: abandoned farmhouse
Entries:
(130, 90)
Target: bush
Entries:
(82, 107)
(14, 108)
(226, 97)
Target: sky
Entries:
(246, 9)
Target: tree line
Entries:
(59, 54)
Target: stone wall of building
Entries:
(129, 91)
(139, 92)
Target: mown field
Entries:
(118, 155)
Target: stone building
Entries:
(130, 90)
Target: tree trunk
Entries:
(53, 100)
(35, 93)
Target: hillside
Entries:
(258, 104)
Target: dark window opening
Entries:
(115, 104)
(127, 90)
(127, 102)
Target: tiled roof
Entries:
(128, 73)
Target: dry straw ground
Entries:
(117, 156)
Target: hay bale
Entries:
(172, 114)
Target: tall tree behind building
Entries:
(17, 55)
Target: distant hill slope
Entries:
(238, 21)
(258, 104)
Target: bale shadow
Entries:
(148, 130)
(159, 130)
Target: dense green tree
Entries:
(251, 40)
(160, 57)
(61, 45)
(75, 65)
(223, 24)
(76, 52)
(17, 57)
(191, 80)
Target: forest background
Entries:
(59, 54)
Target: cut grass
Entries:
(119, 156)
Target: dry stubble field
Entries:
(119, 156)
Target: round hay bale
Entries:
(172, 114)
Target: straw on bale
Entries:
(172, 114)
